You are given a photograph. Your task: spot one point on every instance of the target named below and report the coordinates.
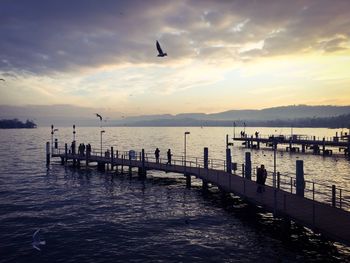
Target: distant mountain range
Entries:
(296, 115)
(301, 115)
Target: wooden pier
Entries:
(327, 219)
(298, 143)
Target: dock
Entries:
(298, 143)
(329, 216)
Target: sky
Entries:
(222, 55)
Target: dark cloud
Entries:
(41, 36)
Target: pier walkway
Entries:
(329, 219)
(299, 143)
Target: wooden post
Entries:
(47, 153)
(333, 196)
(300, 183)
(206, 155)
(112, 158)
(228, 161)
(248, 166)
(303, 148)
(206, 165)
(243, 172)
(143, 169)
(278, 180)
(324, 146)
(188, 180)
(65, 152)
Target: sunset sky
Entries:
(222, 55)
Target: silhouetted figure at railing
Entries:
(156, 154)
(169, 157)
(261, 176)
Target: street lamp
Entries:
(73, 132)
(103, 131)
(52, 132)
(234, 129)
(186, 133)
(274, 162)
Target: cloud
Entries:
(46, 37)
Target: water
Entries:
(87, 216)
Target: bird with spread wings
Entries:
(160, 51)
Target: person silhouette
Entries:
(156, 154)
(169, 157)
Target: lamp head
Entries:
(187, 133)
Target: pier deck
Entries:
(317, 145)
(331, 221)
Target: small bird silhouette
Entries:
(2, 79)
(160, 51)
(98, 115)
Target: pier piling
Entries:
(47, 153)
(248, 166)
(206, 166)
(300, 182)
(228, 161)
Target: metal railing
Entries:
(316, 191)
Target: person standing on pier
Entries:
(156, 154)
(169, 157)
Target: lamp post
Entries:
(274, 162)
(103, 131)
(234, 129)
(73, 132)
(185, 134)
(52, 132)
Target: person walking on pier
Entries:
(261, 176)
(169, 157)
(156, 154)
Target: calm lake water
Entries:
(88, 216)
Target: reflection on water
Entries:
(88, 216)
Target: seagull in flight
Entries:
(98, 115)
(2, 79)
(160, 51)
(37, 242)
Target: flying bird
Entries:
(37, 242)
(2, 79)
(160, 51)
(98, 115)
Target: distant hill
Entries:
(280, 116)
(342, 121)
(67, 115)
(16, 124)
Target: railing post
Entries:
(313, 203)
(300, 184)
(206, 166)
(65, 152)
(143, 172)
(206, 154)
(278, 180)
(112, 157)
(228, 160)
(333, 196)
(243, 170)
(248, 166)
(340, 198)
(47, 153)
